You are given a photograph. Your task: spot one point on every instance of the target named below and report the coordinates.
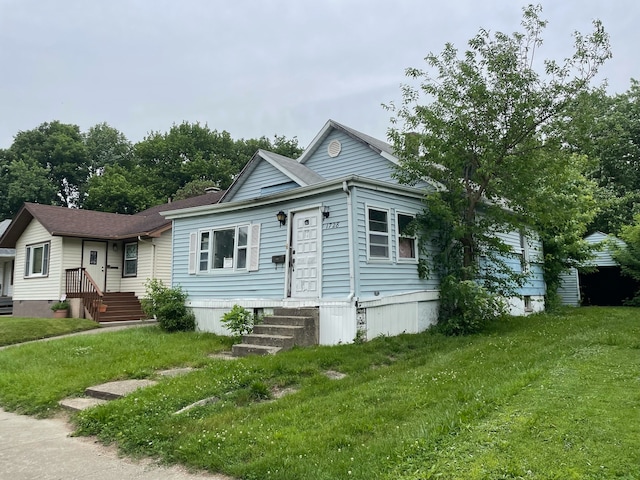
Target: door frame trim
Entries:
(106, 254)
(291, 213)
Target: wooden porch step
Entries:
(121, 307)
(6, 305)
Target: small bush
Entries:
(466, 307)
(240, 320)
(167, 306)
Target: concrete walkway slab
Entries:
(117, 389)
(33, 449)
(78, 404)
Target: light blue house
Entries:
(324, 231)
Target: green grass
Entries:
(17, 330)
(35, 376)
(543, 397)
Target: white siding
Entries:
(337, 323)
(604, 254)
(163, 257)
(154, 261)
(409, 313)
(114, 267)
(569, 289)
(43, 288)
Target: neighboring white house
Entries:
(324, 231)
(64, 252)
(603, 286)
(7, 256)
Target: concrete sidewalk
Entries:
(33, 449)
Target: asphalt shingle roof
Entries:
(71, 222)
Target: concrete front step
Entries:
(284, 330)
(244, 349)
(293, 320)
(117, 389)
(285, 342)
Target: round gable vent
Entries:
(334, 148)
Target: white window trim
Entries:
(368, 233)
(125, 259)
(525, 261)
(252, 248)
(399, 259)
(198, 251)
(46, 253)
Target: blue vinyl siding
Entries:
(335, 246)
(268, 281)
(385, 277)
(354, 159)
(263, 176)
(534, 284)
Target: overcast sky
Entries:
(255, 68)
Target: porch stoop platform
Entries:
(283, 330)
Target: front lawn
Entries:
(18, 329)
(543, 397)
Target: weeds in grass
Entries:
(538, 397)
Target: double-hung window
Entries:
(378, 234)
(37, 260)
(130, 259)
(407, 244)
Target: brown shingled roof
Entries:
(70, 222)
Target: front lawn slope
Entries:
(541, 397)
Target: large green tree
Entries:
(23, 180)
(628, 256)
(118, 190)
(607, 129)
(59, 149)
(190, 152)
(107, 146)
(486, 127)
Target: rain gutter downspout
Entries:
(352, 283)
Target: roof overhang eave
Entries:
(315, 189)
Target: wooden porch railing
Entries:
(79, 284)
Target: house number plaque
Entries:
(330, 225)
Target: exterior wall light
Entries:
(325, 211)
(282, 217)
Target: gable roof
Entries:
(5, 252)
(294, 170)
(70, 222)
(378, 146)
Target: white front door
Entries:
(305, 254)
(94, 260)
